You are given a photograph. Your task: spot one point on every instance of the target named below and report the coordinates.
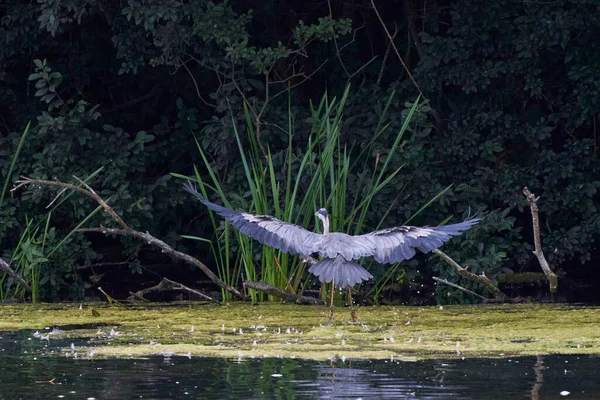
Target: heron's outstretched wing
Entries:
(284, 236)
(397, 244)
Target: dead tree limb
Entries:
(482, 279)
(550, 275)
(4, 267)
(272, 290)
(127, 231)
(167, 284)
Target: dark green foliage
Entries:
(512, 99)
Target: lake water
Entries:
(33, 369)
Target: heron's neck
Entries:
(326, 226)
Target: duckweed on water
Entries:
(272, 330)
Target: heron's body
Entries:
(338, 250)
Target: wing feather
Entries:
(268, 230)
(397, 244)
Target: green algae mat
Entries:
(286, 330)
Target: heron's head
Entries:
(321, 214)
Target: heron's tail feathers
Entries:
(340, 270)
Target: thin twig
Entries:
(105, 264)
(196, 86)
(458, 287)
(396, 51)
(550, 275)
(386, 55)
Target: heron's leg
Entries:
(331, 313)
(352, 309)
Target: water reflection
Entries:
(33, 369)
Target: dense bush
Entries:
(512, 95)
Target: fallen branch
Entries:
(482, 279)
(127, 231)
(552, 279)
(435, 278)
(4, 267)
(272, 290)
(167, 284)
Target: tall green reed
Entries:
(311, 177)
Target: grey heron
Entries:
(339, 251)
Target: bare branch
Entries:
(87, 192)
(152, 93)
(272, 290)
(4, 267)
(167, 284)
(550, 275)
(307, 77)
(482, 279)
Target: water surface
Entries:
(31, 368)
